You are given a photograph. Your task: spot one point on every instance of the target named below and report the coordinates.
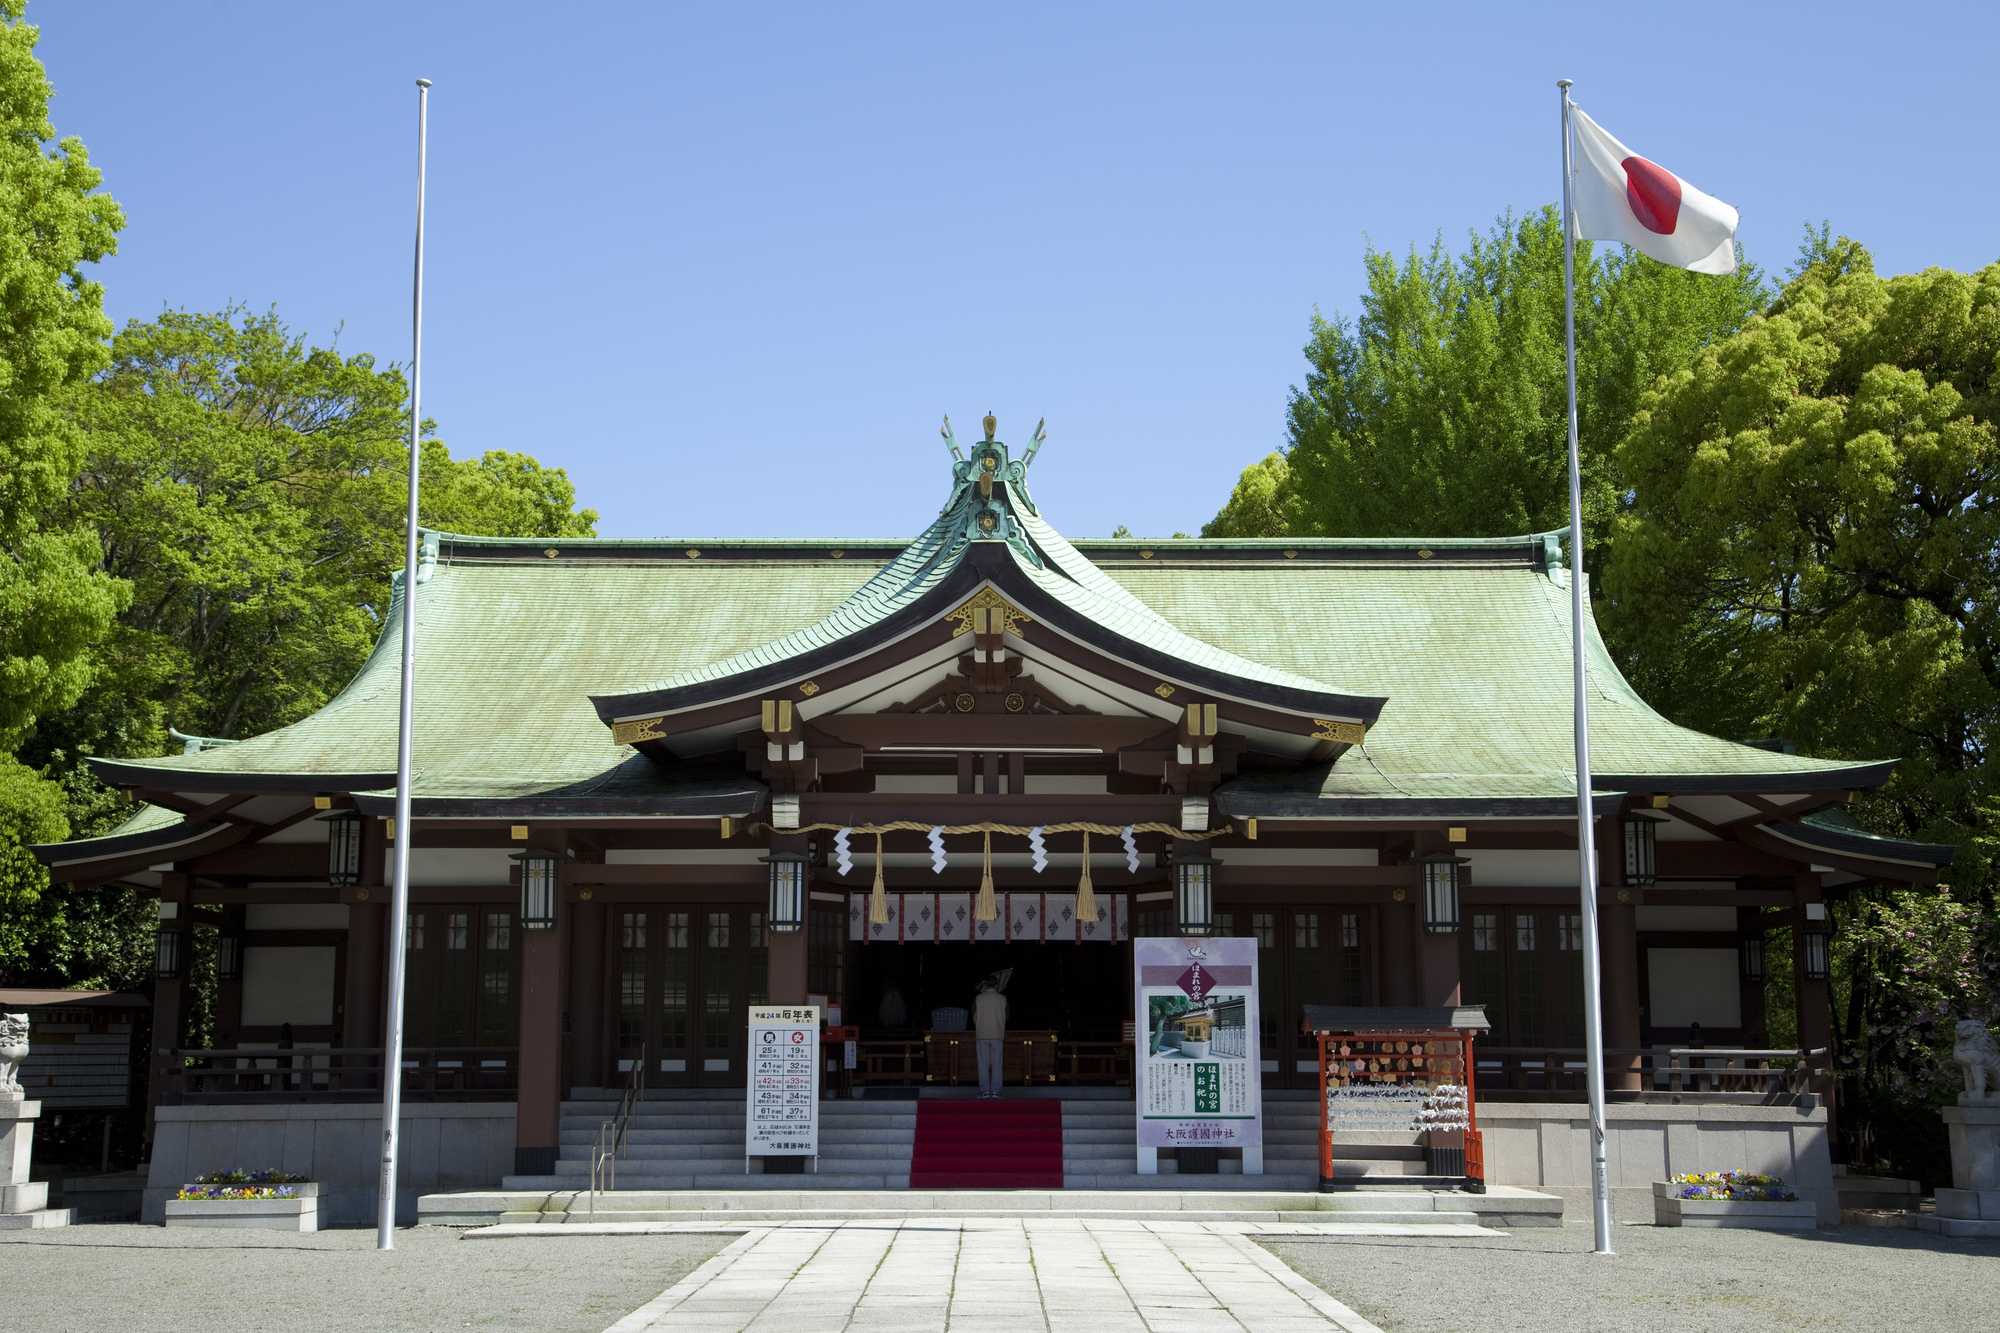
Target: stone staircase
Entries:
(1501, 1206)
(683, 1162)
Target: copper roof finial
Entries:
(992, 423)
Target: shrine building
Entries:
(646, 772)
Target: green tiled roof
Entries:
(1041, 555)
(1470, 647)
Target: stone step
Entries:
(795, 1197)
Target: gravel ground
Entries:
(1687, 1279)
(92, 1279)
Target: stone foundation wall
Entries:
(1546, 1146)
(443, 1146)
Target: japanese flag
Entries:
(1620, 196)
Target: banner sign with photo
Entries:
(1197, 1068)
(782, 1118)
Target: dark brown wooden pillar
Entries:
(362, 1000)
(1756, 1018)
(788, 968)
(586, 995)
(168, 1004)
(787, 953)
(537, 1130)
(1811, 999)
(1399, 950)
(1618, 942)
(366, 996)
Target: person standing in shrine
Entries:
(989, 1022)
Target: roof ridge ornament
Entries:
(988, 487)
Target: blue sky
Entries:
(728, 264)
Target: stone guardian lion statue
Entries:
(14, 1049)
(1977, 1054)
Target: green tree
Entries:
(1259, 505)
(55, 603)
(249, 489)
(1442, 410)
(1813, 551)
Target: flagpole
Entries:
(400, 831)
(1586, 849)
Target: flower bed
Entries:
(1731, 1199)
(1739, 1186)
(269, 1200)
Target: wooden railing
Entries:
(1028, 1059)
(1660, 1068)
(470, 1073)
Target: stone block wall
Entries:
(1546, 1146)
(442, 1146)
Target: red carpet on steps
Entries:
(988, 1145)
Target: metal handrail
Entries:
(611, 1133)
(1692, 1063)
(294, 1071)
(1667, 1068)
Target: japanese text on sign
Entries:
(1195, 1039)
(781, 1118)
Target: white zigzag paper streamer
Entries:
(1131, 850)
(937, 850)
(1041, 852)
(840, 851)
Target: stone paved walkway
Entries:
(994, 1276)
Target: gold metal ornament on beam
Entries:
(1002, 616)
(631, 733)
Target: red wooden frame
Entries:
(1388, 1064)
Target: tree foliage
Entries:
(1442, 411)
(1813, 551)
(249, 490)
(54, 603)
(1813, 548)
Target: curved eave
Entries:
(738, 800)
(1251, 804)
(163, 777)
(1889, 855)
(119, 852)
(985, 562)
(1854, 777)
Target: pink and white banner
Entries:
(1030, 918)
(1197, 1069)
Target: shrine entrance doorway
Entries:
(1069, 1006)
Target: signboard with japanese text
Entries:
(1197, 1067)
(782, 1115)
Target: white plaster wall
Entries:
(1546, 1146)
(442, 1146)
(288, 985)
(1694, 986)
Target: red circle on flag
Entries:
(1654, 194)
